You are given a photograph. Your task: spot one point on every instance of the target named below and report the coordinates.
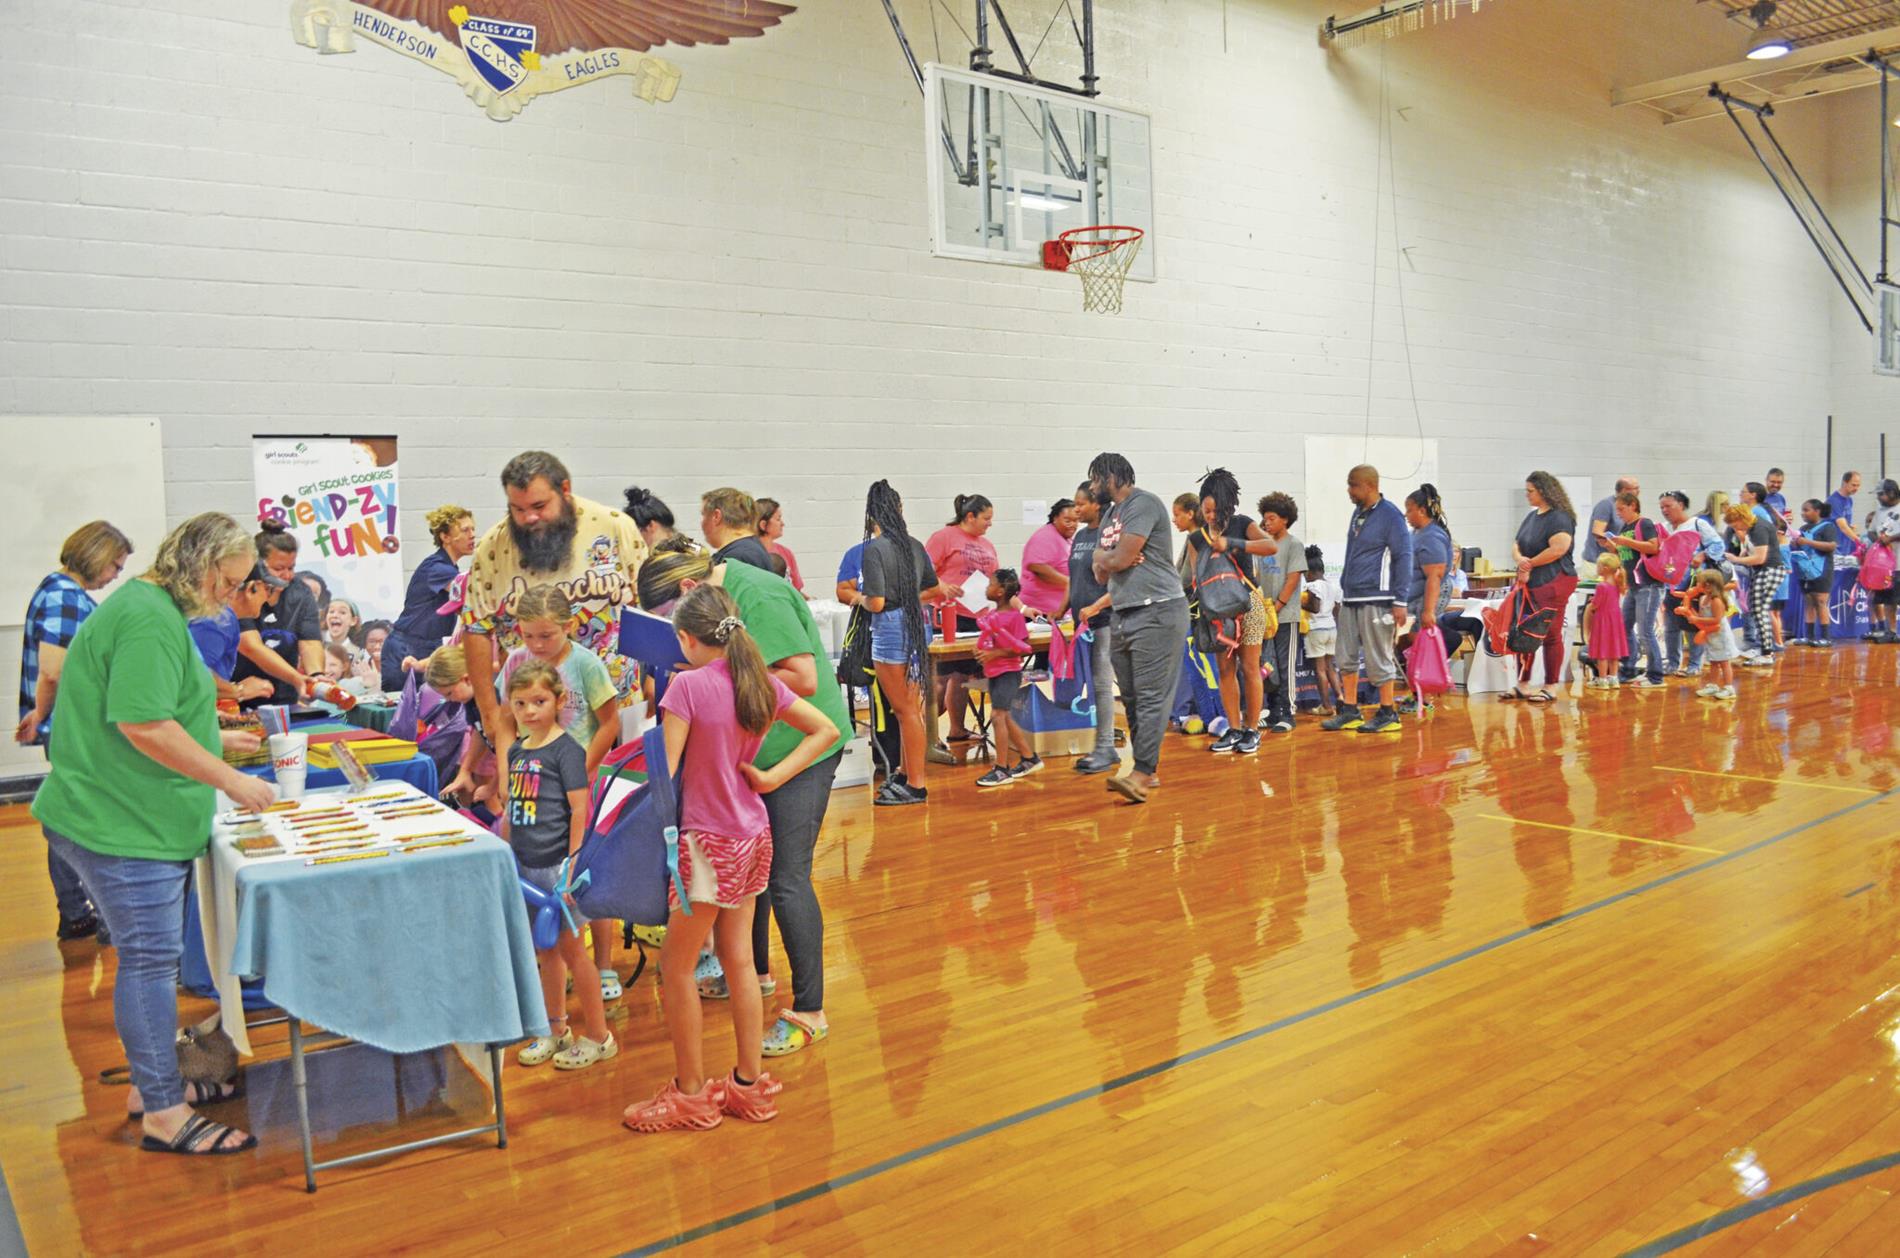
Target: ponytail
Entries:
(708, 614)
(1427, 499)
(968, 505)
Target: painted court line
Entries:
(1602, 834)
(1749, 777)
(1773, 1201)
(947, 1143)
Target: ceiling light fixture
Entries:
(1769, 42)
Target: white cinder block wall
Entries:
(204, 222)
(1864, 404)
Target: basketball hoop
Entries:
(1101, 256)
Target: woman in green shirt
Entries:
(776, 616)
(128, 803)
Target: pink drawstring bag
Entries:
(1426, 667)
(1061, 654)
(1876, 567)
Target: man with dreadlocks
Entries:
(1234, 642)
(1151, 618)
(897, 572)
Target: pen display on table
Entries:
(328, 828)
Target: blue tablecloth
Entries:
(406, 952)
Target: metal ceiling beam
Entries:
(1698, 82)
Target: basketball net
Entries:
(1100, 256)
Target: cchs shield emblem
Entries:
(501, 52)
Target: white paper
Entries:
(1035, 511)
(976, 593)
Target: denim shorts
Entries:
(887, 637)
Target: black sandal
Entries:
(1542, 696)
(199, 1137)
(208, 1094)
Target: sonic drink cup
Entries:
(289, 762)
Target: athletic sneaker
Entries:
(1282, 727)
(1823, 643)
(1708, 692)
(1226, 742)
(897, 792)
(749, 1101)
(1093, 763)
(1410, 705)
(1026, 767)
(1758, 661)
(997, 776)
(1384, 721)
(673, 1110)
(1726, 692)
(1249, 743)
(1345, 718)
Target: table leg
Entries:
(494, 1071)
(301, 1084)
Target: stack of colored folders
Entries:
(375, 749)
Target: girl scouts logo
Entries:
(495, 59)
(501, 52)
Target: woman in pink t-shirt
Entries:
(958, 549)
(772, 533)
(1046, 562)
(716, 714)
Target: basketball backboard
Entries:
(1012, 166)
(1887, 333)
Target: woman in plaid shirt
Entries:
(91, 559)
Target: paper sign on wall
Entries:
(1035, 511)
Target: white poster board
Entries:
(1325, 511)
(337, 496)
(63, 472)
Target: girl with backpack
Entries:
(715, 715)
(1812, 547)
(1232, 630)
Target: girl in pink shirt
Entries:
(716, 714)
(1002, 645)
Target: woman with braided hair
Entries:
(1224, 531)
(897, 572)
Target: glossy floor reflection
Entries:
(1520, 980)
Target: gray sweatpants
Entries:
(1146, 649)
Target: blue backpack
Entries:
(1808, 562)
(631, 852)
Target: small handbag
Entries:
(206, 1055)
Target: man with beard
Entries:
(590, 552)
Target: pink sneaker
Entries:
(753, 1102)
(674, 1110)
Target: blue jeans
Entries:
(68, 892)
(1678, 634)
(1640, 610)
(143, 904)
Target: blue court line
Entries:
(1773, 1201)
(1233, 1041)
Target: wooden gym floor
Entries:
(1616, 975)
